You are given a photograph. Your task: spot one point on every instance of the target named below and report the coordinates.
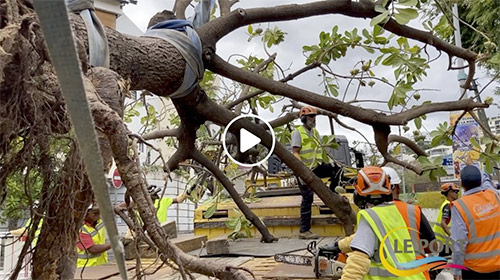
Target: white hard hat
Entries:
(395, 180)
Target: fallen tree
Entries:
(35, 121)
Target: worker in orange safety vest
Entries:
(475, 219)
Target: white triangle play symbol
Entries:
(247, 140)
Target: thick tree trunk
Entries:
(69, 200)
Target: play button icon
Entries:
(247, 140)
(244, 147)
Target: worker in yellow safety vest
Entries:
(377, 217)
(306, 145)
(92, 246)
(23, 231)
(442, 226)
(161, 204)
(475, 227)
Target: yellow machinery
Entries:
(280, 213)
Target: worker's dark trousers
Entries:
(472, 275)
(322, 171)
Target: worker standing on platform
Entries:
(91, 250)
(306, 145)
(475, 228)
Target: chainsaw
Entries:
(325, 263)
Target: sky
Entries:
(439, 85)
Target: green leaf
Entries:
(237, 227)
(495, 59)
(474, 143)
(488, 165)
(377, 30)
(250, 29)
(369, 50)
(380, 18)
(381, 9)
(380, 40)
(424, 160)
(401, 19)
(231, 222)
(408, 2)
(397, 150)
(210, 211)
(409, 13)
(418, 122)
(366, 33)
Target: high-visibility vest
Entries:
(98, 235)
(311, 152)
(437, 228)
(384, 218)
(481, 214)
(161, 206)
(37, 232)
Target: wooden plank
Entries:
(274, 221)
(239, 261)
(218, 246)
(188, 243)
(289, 271)
(170, 229)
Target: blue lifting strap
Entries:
(98, 43)
(181, 35)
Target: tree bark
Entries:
(111, 124)
(69, 200)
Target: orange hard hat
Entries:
(373, 180)
(308, 111)
(449, 186)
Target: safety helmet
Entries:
(448, 186)
(372, 180)
(393, 175)
(308, 111)
(93, 206)
(153, 189)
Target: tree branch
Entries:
(284, 80)
(408, 142)
(246, 88)
(291, 116)
(225, 6)
(267, 237)
(180, 8)
(221, 116)
(161, 134)
(381, 140)
(367, 116)
(213, 31)
(483, 126)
